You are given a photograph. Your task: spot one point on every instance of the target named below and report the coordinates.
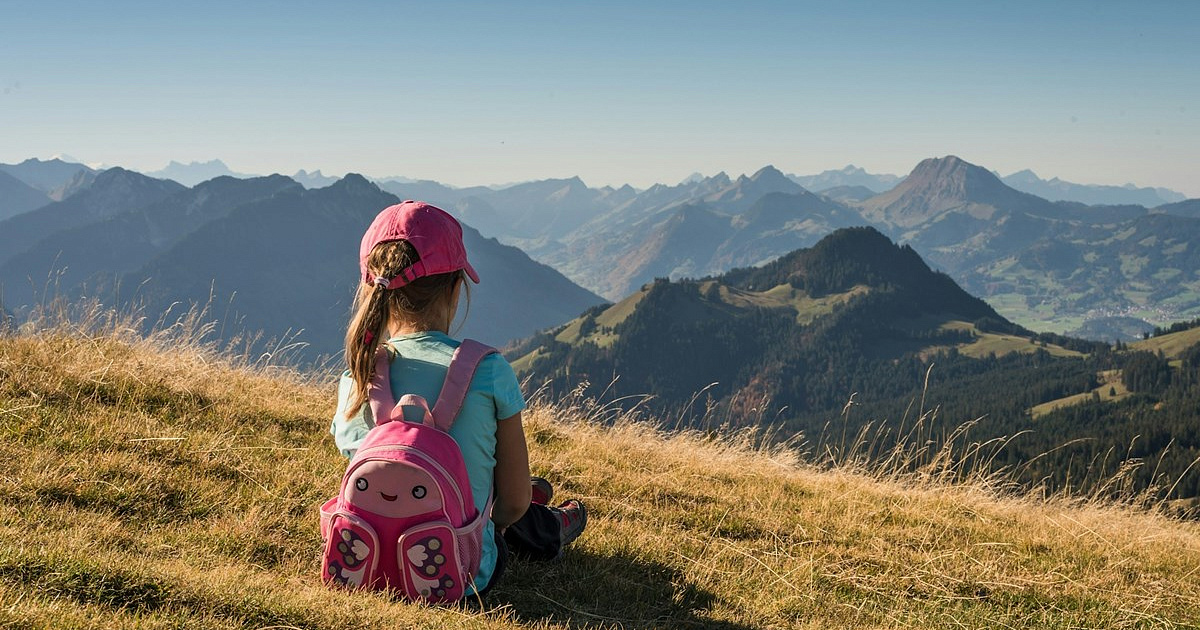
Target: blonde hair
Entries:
(420, 303)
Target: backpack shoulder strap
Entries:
(379, 394)
(462, 368)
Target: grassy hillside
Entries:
(155, 484)
(1171, 345)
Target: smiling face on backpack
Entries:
(393, 489)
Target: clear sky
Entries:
(615, 92)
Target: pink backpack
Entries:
(405, 518)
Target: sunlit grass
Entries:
(1171, 345)
(157, 483)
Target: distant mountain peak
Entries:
(742, 193)
(847, 193)
(193, 173)
(115, 174)
(45, 175)
(937, 185)
(121, 181)
(849, 175)
(955, 172)
(215, 164)
(53, 160)
(769, 172)
(356, 179)
(714, 182)
(943, 164)
(573, 185)
(355, 184)
(1058, 189)
(313, 179)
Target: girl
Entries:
(414, 268)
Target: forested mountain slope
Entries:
(859, 332)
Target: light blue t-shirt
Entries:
(420, 369)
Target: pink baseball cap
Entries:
(437, 237)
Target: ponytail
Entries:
(366, 331)
(375, 305)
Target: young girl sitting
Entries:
(414, 267)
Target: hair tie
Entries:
(382, 281)
(368, 337)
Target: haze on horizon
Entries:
(477, 93)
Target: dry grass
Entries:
(1171, 345)
(154, 483)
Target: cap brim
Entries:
(471, 272)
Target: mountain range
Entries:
(98, 249)
(17, 197)
(1056, 189)
(850, 176)
(47, 176)
(1055, 266)
(263, 254)
(112, 193)
(194, 173)
(1049, 265)
(34, 183)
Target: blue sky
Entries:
(615, 92)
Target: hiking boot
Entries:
(542, 490)
(572, 516)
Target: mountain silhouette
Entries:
(102, 250)
(1032, 256)
(1056, 189)
(193, 173)
(45, 175)
(17, 197)
(849, 194)
(661, 232)
(1189, 208)
(851, 175)
(755, 331)
(940, 185)
(289, 263)
(744, 191)
(114, 191)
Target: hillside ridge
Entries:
(185, 495)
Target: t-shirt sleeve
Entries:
(348, 432)
(506, 390)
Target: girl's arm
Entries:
(511, 478)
